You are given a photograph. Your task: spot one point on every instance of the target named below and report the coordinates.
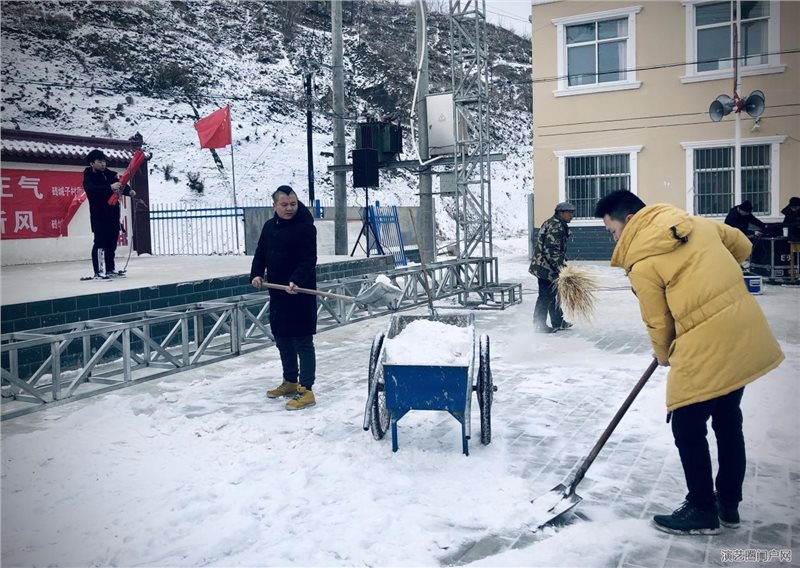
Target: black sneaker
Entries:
(543, 329)
(99, 276)
(564, 325)
(728, 514)
(689, 519)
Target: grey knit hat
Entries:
(565, 206)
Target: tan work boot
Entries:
(286, 389)
(302, 399)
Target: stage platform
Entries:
(42, 295)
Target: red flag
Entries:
(136, 161)
(215, 129)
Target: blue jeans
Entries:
(689, 430)
(298, 358)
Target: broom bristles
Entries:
(575, 288)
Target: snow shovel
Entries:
(562, 497)
(379, 294)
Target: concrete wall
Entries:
(255, 217)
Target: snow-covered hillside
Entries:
(118, 68)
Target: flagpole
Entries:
(233, 179)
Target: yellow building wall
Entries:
(663, 112)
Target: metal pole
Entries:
(737, 158)
(366, 217)
(339, 159)
(235, 202)
(427, 246)
(309, 142)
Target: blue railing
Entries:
(386, 225)
(177, 229)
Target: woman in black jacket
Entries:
(287, 251)
(100, 184)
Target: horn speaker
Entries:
(754, 105)
(722, 105)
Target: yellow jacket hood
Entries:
(654, 230)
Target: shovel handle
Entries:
(308, 291)
(610, 429)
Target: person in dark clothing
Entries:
(549, 257)
(741, 217)
(100, 183)
(791, 219)
(287, 251)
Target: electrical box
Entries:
(447, 184)
(441, 139)
(385, 137)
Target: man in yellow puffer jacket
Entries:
(705, 325)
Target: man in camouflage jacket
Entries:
(549, 257)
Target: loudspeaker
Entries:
(721, 106)
(365, 167)
(755, 103)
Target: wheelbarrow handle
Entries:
(610, 429)
(309, 291)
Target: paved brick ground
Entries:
(650, 478)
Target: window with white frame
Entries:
(587, 175)
(711, 170)
(597, 51)
(714, 172)
(710, 29)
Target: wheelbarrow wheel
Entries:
(485, 391)
(378, 413)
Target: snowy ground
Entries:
(201, 469)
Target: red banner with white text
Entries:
(38, 204)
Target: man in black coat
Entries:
(287, 250)
(741, 217)
(791, 221)
(100, 184)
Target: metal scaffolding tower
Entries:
(470, 76)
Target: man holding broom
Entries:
(549, 258)
(705, 325)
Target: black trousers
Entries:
(105, 239)
(689, 431)
(547, 302)
(298, 358)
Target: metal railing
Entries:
(386, 224)
(210, 229)
(91, 357)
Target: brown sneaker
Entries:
(286, 389)
(304, 398)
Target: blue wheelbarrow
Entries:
(394, 390)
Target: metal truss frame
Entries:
(470, 77)
(121, 351)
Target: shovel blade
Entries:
(553, 504)
(380, 294)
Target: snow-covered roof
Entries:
(42, 146)
(47, 150)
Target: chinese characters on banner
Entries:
(38, 204)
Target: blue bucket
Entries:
(753, 283)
